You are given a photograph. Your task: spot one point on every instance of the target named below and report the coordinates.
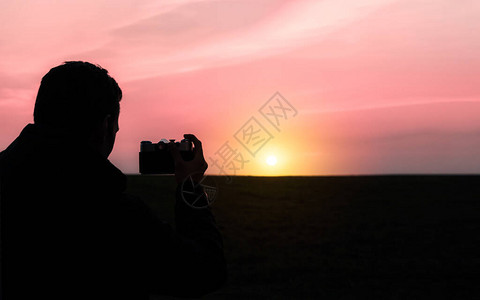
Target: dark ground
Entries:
(348, 237)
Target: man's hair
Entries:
(76, 95)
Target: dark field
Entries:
(354, 237)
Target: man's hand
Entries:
(195, 167)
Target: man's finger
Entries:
(196, 142)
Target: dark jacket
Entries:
(68, 230)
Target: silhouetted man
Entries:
(68, 229)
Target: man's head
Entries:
(82, 98)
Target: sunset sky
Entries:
(366, 87)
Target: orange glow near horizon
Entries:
(379, 87)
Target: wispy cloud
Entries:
(208, 34)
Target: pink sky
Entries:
(380, 87)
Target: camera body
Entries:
(157, 159)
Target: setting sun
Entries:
(271, 160)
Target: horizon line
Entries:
(326, 175)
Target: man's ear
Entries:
(107, 123)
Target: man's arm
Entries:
(195, 261)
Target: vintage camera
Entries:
(157, 159)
